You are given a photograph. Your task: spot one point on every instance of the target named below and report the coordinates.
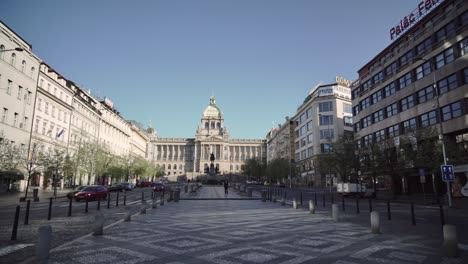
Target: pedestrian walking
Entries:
(226, 186)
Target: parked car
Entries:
(159, 187)
(145, 184)
(116, 188)
(71, 194)
(128, 185)
(93, 192)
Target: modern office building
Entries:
(420, 80)
(324, 115)
(190, 156)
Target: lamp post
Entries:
(15, 49)
(439, 117)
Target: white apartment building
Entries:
(51, 124)
(18, 80)
(325, 114)
(114, 131)
(280, 142)
(138, 142)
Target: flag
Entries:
(60, 133)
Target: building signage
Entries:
(108, 102)
(343, 81)
(447, 173)
(405, 23)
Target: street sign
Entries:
(422, 176)
(447, 173)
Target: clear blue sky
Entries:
(162, 60)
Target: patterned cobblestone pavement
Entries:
(235, 231)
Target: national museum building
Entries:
(190, 156)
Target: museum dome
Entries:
(212, 111)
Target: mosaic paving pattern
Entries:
(228, 232)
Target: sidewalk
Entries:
(236, 231)
(13, 198)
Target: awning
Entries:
(11, 174)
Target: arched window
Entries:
(207, 125)
(237, 167)
(169, 166)
(164, 166)
(33, 71)
(218, 125)
(23, 66)
(2, 48)
(13, 59)
(212, 125)
(175, 167)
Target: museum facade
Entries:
(190, 156)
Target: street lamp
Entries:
(439, 117)
(15, 49)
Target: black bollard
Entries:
(49, 216)
(323, 199)
(413, 217)
(86, 206)
(125, 199)
(99, 204)
(15, 224)
(315, 199)
(70, 207)
(389, 213)
(108, 200)
(357, 204)
(117, 201)
(370, 204)
(442, 218)
(26, 217)
(142, 195)
(342, 203)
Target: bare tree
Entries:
(31, 162)
(54, 161)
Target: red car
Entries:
(93, 192)
(158, 187)
(145, 184)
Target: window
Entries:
(424, 46)
(368, 140)
(5, 115)
(390, 69)
(378, 77)
(405, 80)
(365, 103)
(407, 102)
(207, 126)
(36, 125)
(327, 133)
(379, 116)
(41, 83)
(33, 71)
(303, 141)
(389, 89)
(394, 131)
(409, 125)
(309, 112)
(367, 85)
(356, 109)
(302, 130)
(326, 120)
(406, 58)
(379, 135)
(425, 94)
(39, 104)
(451, 111)
(310, 151)
(60, 114)
(2, 48)
(212, 125)
(348, 121)
(464, 46)
(325, 107)
(15, 119)
(13, 59)
(444, 58)
(392, 109)
(366, 121)
(357, 127)
(376, 97)
(428, 119)
(309, 125)
(423, 70)
(65, 120)
(465, 74)
(303, 118)
(447, 84)
(20, 92)
(23, 66)
(325, 147)
(347, 108)
(46, 108)
(310, 138)
(9, 85)
(29, 96)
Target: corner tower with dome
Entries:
(190, 156)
